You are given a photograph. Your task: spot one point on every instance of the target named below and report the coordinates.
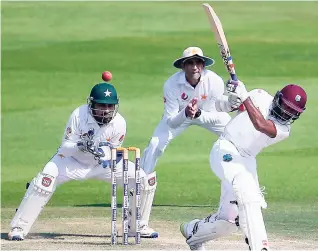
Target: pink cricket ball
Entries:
(107, 76)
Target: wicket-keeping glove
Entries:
(104, 155)
(85, 145)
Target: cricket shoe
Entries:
(145, 232)
(16, 234)
(184, 232)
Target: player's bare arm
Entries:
(260, 123)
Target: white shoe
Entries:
(145, 232)
(183, 230)
(16, 234)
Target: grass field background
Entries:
(54, 52)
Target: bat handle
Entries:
(234, 77)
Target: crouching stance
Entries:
(85, 153)
(265, 121)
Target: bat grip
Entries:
(234, 77)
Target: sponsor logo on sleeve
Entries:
(68, 132)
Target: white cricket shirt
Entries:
(79, 123)
(242, 133)
(178, 93)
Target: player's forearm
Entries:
(68, 148)
(176, 120)
(208, 117)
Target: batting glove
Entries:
(234, 101)
(238, 88)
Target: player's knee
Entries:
(158, 145)
(45, 181)
(51, 169)
(245, 189)
(230, 214)
(154, 142)
(150, 182)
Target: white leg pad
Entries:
(250, 214)
(148, 189)
(204, 231)
(38, 194)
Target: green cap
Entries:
(104, 93)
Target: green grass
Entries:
(54, 52)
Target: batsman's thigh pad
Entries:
(250, 214)
(225, 160)
(148, 189)
(38, 194)
(204, 231)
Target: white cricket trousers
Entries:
(226, 162)
(164, 134)
(59, 170)
(67, 168)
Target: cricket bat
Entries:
(221, 40)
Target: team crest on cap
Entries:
(107, 93)
(298, 98)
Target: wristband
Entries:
(197, 114)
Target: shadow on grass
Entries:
(62, 237)
(156, 205)
(4, 236)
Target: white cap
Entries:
(193, 52)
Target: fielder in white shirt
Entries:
(90, 134)
(266, 121)
(192, 96)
